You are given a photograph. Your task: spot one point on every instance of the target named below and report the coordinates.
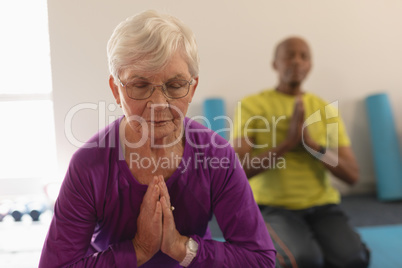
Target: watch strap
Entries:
(190, 255)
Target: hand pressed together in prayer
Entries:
(294, 136)
(156, 226)
(297, 132)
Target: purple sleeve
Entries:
(72, 226)
(248, 243)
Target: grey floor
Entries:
(366, 210)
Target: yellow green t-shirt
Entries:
(297, 180)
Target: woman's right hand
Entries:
(148, 239)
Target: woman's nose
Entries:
(158, 97)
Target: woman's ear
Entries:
(115, 89)
(194, 86)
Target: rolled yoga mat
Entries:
(215, 116)
(385, 145)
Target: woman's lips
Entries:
(159, 123)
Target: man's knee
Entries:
(359, 260)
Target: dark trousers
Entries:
(315, 237)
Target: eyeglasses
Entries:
(141, 90)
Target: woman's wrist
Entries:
(178, 249)
(140, 253)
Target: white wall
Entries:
(356, 48)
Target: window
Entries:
(27, 138)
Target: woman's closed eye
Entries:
(139, 85)
(176, 84)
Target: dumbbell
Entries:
(18, 210)
(35, 209)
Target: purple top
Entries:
(95, 215)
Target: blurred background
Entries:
(54, 92)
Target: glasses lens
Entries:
(177, 88)
(139, 90)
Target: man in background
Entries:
(288, 141)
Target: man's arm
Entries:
(347, 169)
(341, 163)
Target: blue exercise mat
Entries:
(385, 245)
(215, 116)
(385, 145)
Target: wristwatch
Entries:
(191, 252)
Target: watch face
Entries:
(192, 245)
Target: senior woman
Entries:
(145, 194)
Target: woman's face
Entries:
(158, 116)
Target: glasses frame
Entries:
(162, 86)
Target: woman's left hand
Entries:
(173, 243)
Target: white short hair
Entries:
(147, 41)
